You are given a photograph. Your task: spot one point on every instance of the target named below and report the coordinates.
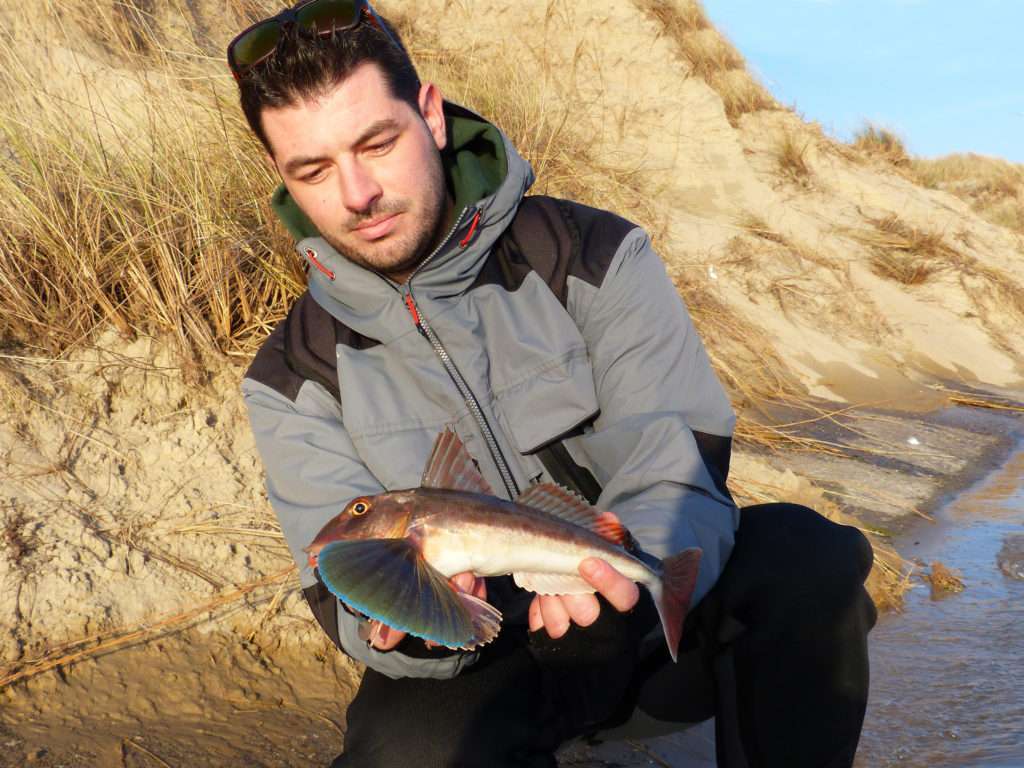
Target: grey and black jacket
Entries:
(588, 347)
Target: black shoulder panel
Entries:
(268, 366)
(601, 234)
(554, 238)
(302, 346)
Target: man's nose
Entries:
(358, 187)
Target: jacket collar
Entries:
(487, 178)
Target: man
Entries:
(430, 304)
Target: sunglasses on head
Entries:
(258, 42)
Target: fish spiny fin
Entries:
(451, 467)
(389, 581)
(566, 505)
(552, 583)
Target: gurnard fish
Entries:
(390, 556)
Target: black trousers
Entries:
(776, 652)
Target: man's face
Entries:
(366, 169)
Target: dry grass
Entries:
(901, 252)
(978, 400)
(942, 580)
(709, 55)
(874, 141)
(993, 187)
(791, 156)
(912, 255)
(150, 216)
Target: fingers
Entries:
(467, 582)
(583, 609)
(621, 592)
(536, 621)
(556, 617)
(555, 612)
(383, 637)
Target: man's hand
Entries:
(555, 612)
(384, 638)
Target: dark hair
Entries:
(306, 65)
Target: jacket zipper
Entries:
(472, 403)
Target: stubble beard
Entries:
(398, 255)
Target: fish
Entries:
(390, 556)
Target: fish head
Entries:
(385, 516)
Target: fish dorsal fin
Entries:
(451, 467)
(566, 505)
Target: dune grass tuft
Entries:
(906, 254)
(875, 141)
(791, 156)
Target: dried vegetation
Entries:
(791, 156)
(709, 55)
(993, 187)
(876, 142)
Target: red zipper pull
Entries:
(316, 263)
(411, 305)
(472, 228)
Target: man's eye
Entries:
(384, 146)
(313, 176)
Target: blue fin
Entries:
(388, 580)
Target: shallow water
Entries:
(947, 675)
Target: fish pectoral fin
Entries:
(552, 583)
(388, 580)
(485, 617)
(451, 467)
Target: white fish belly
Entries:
(493, 552)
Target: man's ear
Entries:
(270, 162)
(432, 112)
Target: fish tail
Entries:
(673, 591)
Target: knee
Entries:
(838, 558)
(811, 550)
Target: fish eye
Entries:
(360, 507)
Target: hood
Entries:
(487, 178)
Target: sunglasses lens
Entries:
(320, 16)
(256, 44)
(325, 15)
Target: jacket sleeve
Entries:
(312, 470)
(661, 442)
